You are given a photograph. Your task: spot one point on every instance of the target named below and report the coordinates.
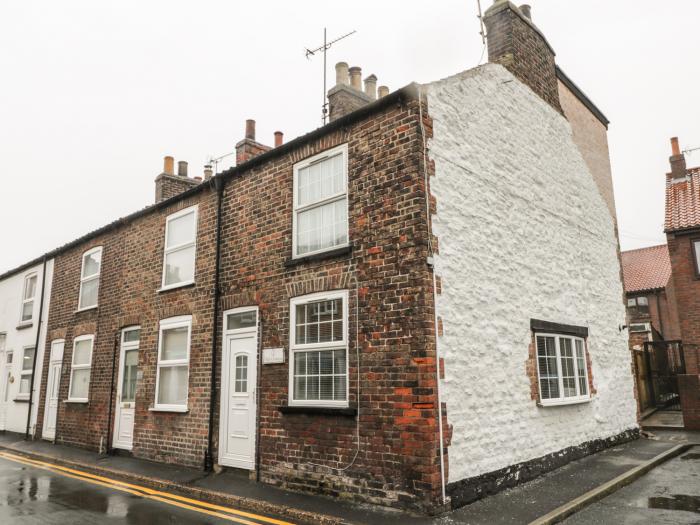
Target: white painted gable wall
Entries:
(523, 233)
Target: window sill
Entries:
(76, 401)
(86, 309)
(175, 286)
(24, 326)
(182, 410)
(563, 402)
(21, 399)
(318, 411)
(330, 254)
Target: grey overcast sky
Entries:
(94, 93)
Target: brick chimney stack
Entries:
(677, 160)
(168, 184)
(516, 43)
(348, 94)
(248, 148)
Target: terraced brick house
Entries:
(682, 228)
(414, 305)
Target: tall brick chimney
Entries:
(248, 148)
(516, 43)
(168, 184)
(348, 95)
(677, 160)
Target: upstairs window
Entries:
(26, 373)
(637, 306)
(319, 348)
(696, 256)
(80, 369)
(320, 220)
(180, 248)
(28, 299)
(90, 278)
(562, 369)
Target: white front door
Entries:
(124, 412)
(52, 385)
(237, 423)
(6, 367)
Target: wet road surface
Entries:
(33, 495)
(668, 494)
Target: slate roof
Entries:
(683, 202)
(646, 268)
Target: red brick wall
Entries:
(391, 285)
(397, 462)
(132, 261)
(687, 292)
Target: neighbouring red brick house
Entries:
(382, 309)
(682, 228)
(651, 308)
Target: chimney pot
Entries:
(675, 148)
(208, 172)
(526, 10)
(279, 138)
(383, 91)
(341, 73)
(356, 77)
(169, 165)
(182, 168)
(250, 129)
(371, 87)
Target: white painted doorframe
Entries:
(53, 382)
(125, 410)
(6, 371)
(238, 397)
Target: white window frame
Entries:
(74, 367)
(561, 400)
(166, 324)
(94, 277)
(24, 373)
(170, 249)
(3, 335)
(331, 345)
(343, 148)
(24, 301)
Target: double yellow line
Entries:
(226, 513)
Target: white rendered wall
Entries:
(11, 290)
(523, 233)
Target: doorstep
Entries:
(231, 487)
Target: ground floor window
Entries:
(172, 378)
(562, 369)
(26, 373)
(318, 347)
(80, 368)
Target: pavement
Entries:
(521, 504)
(669, 494)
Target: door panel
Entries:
(124, 413)
(53, 384)
(238, 406)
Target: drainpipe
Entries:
(36, 347)
(208, 456)
(108, 447)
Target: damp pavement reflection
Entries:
(668, 494)
(30, 496)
